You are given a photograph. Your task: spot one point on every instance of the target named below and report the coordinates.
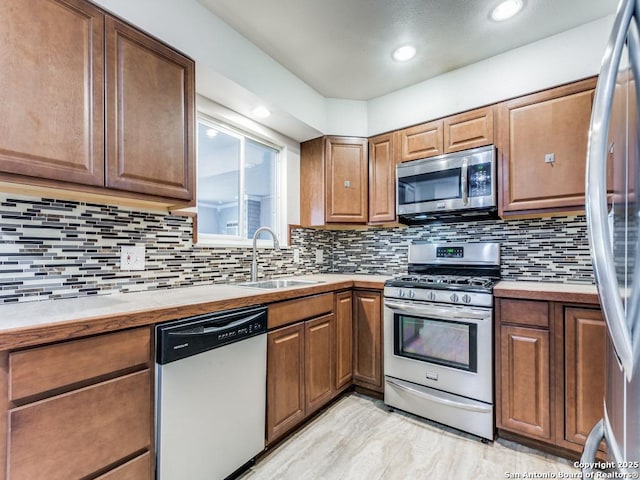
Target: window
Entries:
(239, 185)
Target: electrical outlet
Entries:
(319, 256)
(132, 258)
(296, 255)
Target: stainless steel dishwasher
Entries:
(210, 394)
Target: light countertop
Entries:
(32, 323)
(569, 292)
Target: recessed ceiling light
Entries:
(261, 112)
(506, 10)
(211, 132)
(404, 53)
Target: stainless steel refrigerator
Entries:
(612, 216)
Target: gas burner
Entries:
(444, 282)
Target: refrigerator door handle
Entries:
(596, 190)
(588, 458)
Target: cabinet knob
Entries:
(550, 158)
(347, 184)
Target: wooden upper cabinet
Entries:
(51, 90)
(468, 130)
(346, 180)
(542, 143)
(150, 115)
(382, 179)
(421, 141)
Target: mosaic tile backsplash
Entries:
(52, 249)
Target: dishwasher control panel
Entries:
(186, 337)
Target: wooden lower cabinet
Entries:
(550, 370)
(285, 379)
(344, 340)
(584, 343)
(525, 395)
(92, 417)
(367, 346)
(319, 356)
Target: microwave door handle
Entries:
(464, 181)
(596, 191)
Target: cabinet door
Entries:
(51, 90)
(346, 177)
(367, 369)
(421, 141)
(524, 379)
(77, 434)
(319, 346)
(382, 179)
(285, 380)
(543, 146)
(468, 130)
(585, 336)
(344, 339)
(150, 115)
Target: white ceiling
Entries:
(342, 48)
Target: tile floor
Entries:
(358, 439)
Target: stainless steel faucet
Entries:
(254, 260)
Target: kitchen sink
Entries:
(282, 283)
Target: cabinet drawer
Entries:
(283, 313)
(137, 469)
(525, 312)
(42, 369)
(78, 433)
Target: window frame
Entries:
(217, 240)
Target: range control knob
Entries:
(400, 292)
(454, 297)
(432, 296)
(412, 294)
(466, 298)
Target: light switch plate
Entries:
(319, 256)
(296, 255)
(131, 258)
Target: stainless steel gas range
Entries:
(438, 335)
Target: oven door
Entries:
(445, 347)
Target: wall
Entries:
(227, 64)
(53, 249)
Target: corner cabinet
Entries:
(542, 145)
(334, 181)
(93, 105)
(549, 371)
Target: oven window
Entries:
(429, 187)
(449, 343)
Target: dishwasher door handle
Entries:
(209, 330)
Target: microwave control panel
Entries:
(480, 180)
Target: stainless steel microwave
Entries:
(453, 187)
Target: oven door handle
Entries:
(437, 399)
(438, 313)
